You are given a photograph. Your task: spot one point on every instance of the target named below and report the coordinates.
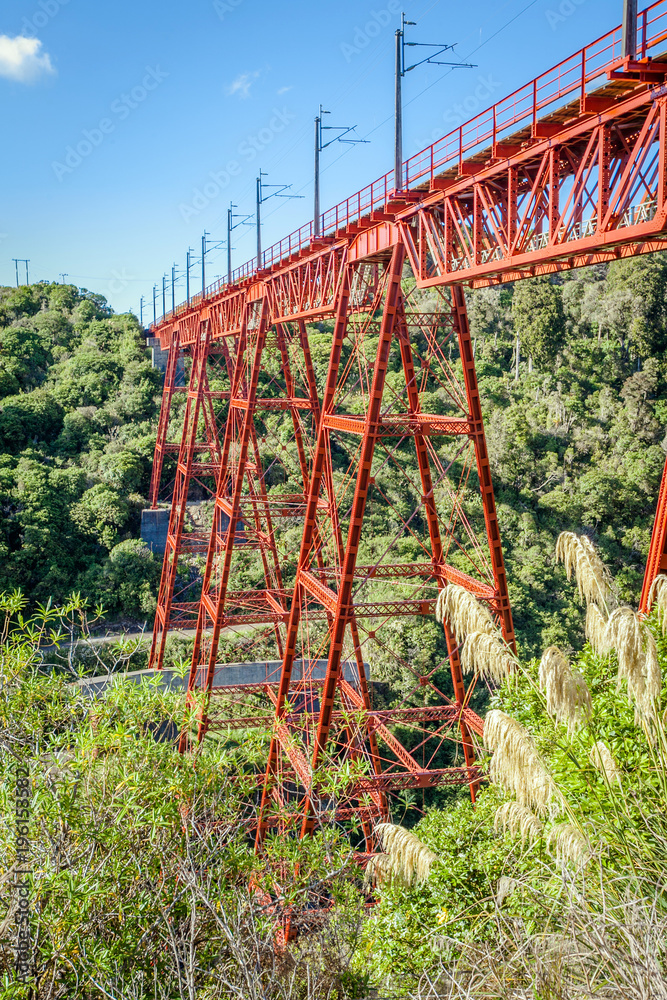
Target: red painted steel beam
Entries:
(162, 447)
(344, 609)
(369, 720)
(656, 562)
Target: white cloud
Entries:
(21, 59)
(284, 90)
(242, 84)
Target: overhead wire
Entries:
(443, 75)
(433, 83)
(377, 54)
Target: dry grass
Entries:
(601, 758)
(487, 655)
(637, 661)
(579, 556)
(406, 858)
(568, 844)
(604, 948)
(463, 612)
(517, 767)
(568, 697)
(596, 625)
(518, 821)
(658, 597)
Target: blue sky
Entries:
(176, 106)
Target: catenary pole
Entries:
(398, 110)
(629, 40)
(316, 201)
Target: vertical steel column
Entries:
(604, 185)
(434, 534)
(656, 562)
(662, 159)
(165, 413)
(483, 466)
(554, 193)
(629, 36)
(344, 611)
(512, 211)
(186, 454)
(309, 529)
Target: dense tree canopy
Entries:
(78, 398)
(576, 442)
(539, 320)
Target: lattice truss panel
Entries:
(556, 204)
(349, 483)
(195, 415)
(262, 489)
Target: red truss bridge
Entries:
(287, 441)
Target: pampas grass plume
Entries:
(463, 612)
(568, 697)
(488, 656)
(637, 661)
(601, 758)
(579, 557)
(516, 765)
(378, 869)
(568, 844)
(504, 888)
(406, 858)
(517, 820)
(596, 625)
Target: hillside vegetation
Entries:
(576, 443)
(78, 403)
(552, 888)
(575, 435)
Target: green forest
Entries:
(143, 878)
(574, 432)
(79, 401)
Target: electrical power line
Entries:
(300, 135)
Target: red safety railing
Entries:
(573, 78)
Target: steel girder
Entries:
(656, 562)
(593, 192)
